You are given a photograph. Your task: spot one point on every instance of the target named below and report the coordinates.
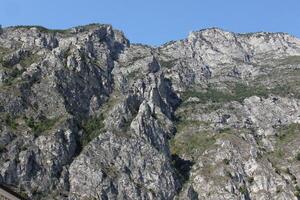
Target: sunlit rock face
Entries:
(87, 115)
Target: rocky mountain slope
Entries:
(87, 115)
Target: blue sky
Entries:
(157, 21)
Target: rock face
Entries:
(87, 115)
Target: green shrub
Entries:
(225, 130)
(297, 192)
(42, 29)
(243, 190)
(226, 161)
(30, 59)
(2, 148)
(250, 179)
(92, 128)
(211, 94)
(287, 133)
(298, 156)
(13, 74)
(39, 127)
(242, 91)
(10, 121)
(290, 60)
(239, 93)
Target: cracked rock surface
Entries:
(85, 114)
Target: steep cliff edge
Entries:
(87, 115)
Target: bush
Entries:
(92, 128)
(250, 179)
(226, 161)
(297, 192)
(10, 121)
(2, 148)
(243, 190)
(39, 127)
(287, 133)
(298, 156)
(239, 93)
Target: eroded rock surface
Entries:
(87, 115)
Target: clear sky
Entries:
(157, 21)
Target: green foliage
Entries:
(10, 121)
(225, 130)
(290, 60)
(13, 75)
(284, 136)
(133, 74)
(2, 148)
(92, 128)
(298, 156)
(297, 192)
(286, 90)
(211, 94)
(243, 190)
(287, 133)
(42, 29)
(38, 127)
(279, 153)
(3, 52)
(226, 161)
(188, 145)
(28, 60)
(182, 123)
(13, 72)
(250, 179)
(239, 93)
(242, 91)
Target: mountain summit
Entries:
(85, 114)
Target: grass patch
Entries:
(290, 60)
(3, 52)
(10, 121)
(92, 128)
(38, 127)
(197, 142)
(13, 75)
(239, 93)
(28, 60)
(286, 134)
(182, 124)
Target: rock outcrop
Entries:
(87, 115)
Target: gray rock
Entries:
(85, 114)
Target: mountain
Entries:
(87, 115)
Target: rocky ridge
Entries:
(87, 115)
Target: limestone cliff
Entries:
(84, 114)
